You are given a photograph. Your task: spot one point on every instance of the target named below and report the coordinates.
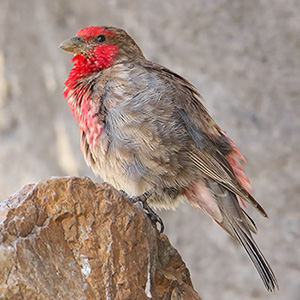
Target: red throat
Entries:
(102, 57)
(78, 90)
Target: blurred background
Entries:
(244, 58)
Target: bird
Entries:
(143, 129)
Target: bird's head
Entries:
(97, 48)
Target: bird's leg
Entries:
(154, 217)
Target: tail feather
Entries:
(262, 266)
(250, 222)
(239, 225)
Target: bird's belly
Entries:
(117, 166)
(112, 164)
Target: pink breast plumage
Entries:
(87, 115)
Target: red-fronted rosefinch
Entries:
(144, 130)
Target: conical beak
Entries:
(76, 45)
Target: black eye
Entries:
(101, 38)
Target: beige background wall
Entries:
(243, 56)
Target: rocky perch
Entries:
(69, 238)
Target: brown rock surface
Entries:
(68, 238)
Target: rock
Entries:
(69, 238)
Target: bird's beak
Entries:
(76, 45)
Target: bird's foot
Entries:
(142, 199)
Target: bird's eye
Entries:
(101, 38)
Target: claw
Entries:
(154, 217)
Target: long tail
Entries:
(223, 206)
(261, 264)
